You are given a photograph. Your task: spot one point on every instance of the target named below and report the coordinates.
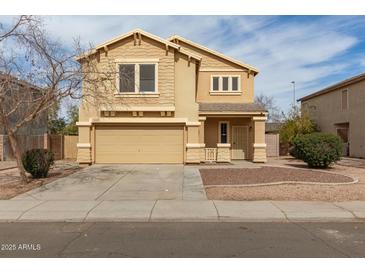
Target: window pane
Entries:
(147, 77)
(126, 78)
(215, 83)
(225, 83)
(235, 83)
(223, 130)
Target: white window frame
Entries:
(137, 63)
(220, 84)
(219, 131)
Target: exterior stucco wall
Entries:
(219, 66)
(326, 111)
(245, 96)
(185, 79)
(209, 60)
(126, 49)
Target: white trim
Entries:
(195, 145)
(137, 63)
(137, 60)
(83, 145)
(192, 124)
(259, 145)
(226, 93)
(259, 118)
(219, 131)
(221, 69)
(83, 124)
(137, 94)
(223, 145)
(220, 90)
(202, 118)
(230, 113)
(141, 120)
(137, 108)
(176, 37)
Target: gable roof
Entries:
(216, 53)
(143, 33)
(338, 85)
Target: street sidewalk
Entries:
(32, 210)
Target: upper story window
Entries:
(345, 99)
(138, 77)
(226, 83)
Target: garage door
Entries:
(139, 145)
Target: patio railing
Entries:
(210, 154)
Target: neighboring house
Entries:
(37, 127)
(175, 102)
(340, 109)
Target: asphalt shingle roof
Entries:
(235, 107)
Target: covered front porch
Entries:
(232, 134)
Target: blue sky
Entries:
(313, 51)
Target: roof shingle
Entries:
(231, 107)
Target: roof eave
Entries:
(221, 55)
(144, 33)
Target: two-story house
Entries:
(174, 102)
(339, 109)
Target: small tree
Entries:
(37, 73)
(268, 102)
(72, 118)
(295, 123)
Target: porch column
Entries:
(259, 145)
(202, 138)
(84, 144)
(193, 147)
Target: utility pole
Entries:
(293, 82)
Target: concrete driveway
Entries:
(124, 182)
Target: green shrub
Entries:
(37, 162)
(318, 149)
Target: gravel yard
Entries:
(292, 191)
(10, 184)
(247, 176)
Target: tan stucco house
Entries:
(174, 102)
(340, 109)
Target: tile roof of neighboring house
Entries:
(341, 84)
(230, 107)
(179, 38)
(143, 33)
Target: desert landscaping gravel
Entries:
(235, 176)
(296, 192)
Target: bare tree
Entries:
(268, 102)
(38, 72)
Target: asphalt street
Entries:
(182, 240)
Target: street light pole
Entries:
(293, 82)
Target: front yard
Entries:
(285, 179)
(10, 185)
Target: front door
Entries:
(239, 142)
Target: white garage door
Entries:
(139, 145)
